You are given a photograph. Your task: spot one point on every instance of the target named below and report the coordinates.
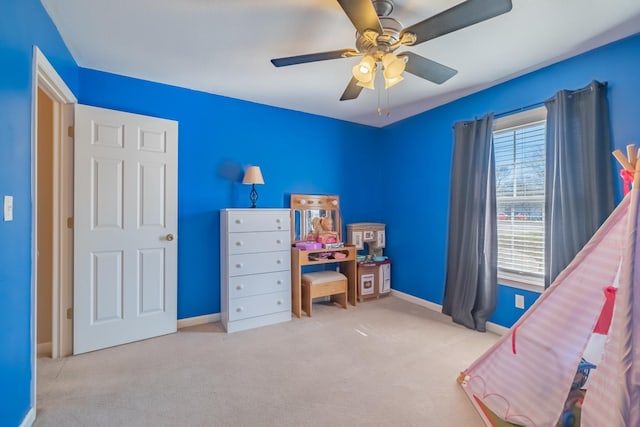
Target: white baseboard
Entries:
(491, 327)
(496, 329)
(198, 320)
(29, 418)
(419, 301)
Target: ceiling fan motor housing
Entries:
(383, 7)
(391, 29)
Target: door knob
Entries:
(169, 237)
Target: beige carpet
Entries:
(386, 362)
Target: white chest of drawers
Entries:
(255, 267)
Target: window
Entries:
(519, 147)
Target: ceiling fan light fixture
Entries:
(365, 72)
(393, 66)
(388, 82)
(366, 85)
(365, 67)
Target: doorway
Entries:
(44, 221)
(52, 243)
(52, 189)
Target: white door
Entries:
(125, 228)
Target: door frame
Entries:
(45, 77)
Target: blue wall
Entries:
(298, 153)
(23, 23)
(419, 161)
(220, 136)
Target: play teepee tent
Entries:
(532, 375)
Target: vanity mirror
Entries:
(315, 217)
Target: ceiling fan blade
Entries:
(427, 69)
(463, 15)
(362, 14)
(313, 57)
(352, 91)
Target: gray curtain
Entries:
(470, 289)
(579, 177)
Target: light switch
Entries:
(8, 208)
(519, 301)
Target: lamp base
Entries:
(253, 195)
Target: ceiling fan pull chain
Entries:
(388, 105)
(379, 110)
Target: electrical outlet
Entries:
(519, 301)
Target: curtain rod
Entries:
(506, 113)
(540, 104)
(518, 110)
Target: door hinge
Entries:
(70, 313)
(70, 222)
(70, 131)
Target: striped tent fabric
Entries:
(526, 376)
(613, 398)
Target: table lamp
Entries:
(253, 176)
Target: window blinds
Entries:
(520, 168)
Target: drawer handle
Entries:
(278, 220)
(239, 243)
(278, 241)
(239, 309)
(279, 261)
(279, 282)
(238, 265)
(238, 221)
(240, 287)
(279, 302)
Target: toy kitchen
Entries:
(374, 269)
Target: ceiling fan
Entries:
(379, 35)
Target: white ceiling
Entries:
(224, 47)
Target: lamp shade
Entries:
(393, 65)
(253, 175)
(365, 72)
(369, 84)
(388, 82)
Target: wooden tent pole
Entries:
(636, 177)
(626, 164)
(631, 154)
(630, 164)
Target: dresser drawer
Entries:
(243, 220)
(259, 305)
(256, 284)
(259, 263)
(264, 241)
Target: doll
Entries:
(323, 230)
